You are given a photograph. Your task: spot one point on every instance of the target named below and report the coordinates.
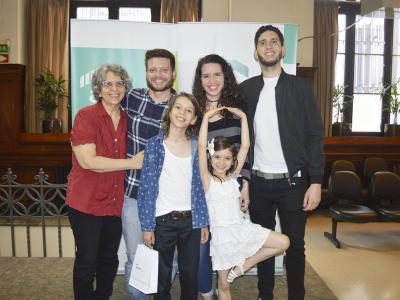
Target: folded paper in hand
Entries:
(144, 274)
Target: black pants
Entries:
(267, 196)
(168, 235)
(97, 240)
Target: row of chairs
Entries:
(370, 167)
(345, 188)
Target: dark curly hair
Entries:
(230, 95)
(192, 130)
(222, 143)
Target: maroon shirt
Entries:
(99, 194)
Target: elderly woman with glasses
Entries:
(96, 183)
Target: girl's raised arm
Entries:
(245, 137)
(202, 147)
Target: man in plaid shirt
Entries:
(145, 108)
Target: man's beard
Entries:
(271, 63)
(167, 86)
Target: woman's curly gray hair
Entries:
(101, 73)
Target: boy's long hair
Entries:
(192, 130)
(222, 143)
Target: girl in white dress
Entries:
(237, 244)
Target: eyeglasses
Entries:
(119, 84)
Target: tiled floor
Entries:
(367, 267)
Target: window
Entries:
(396, 47)
(125, 10)
(368, 68)
(339, 70)
(92, 13)
(363, 61)
(135, 14)
(396, 51)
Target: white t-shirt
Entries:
(268, 154)
(175, 184)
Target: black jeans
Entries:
(97, 240)
(268, 196)
(169, 234)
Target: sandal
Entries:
(232, 274)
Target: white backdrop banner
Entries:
(98, 42)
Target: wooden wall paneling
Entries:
(306, 73)
(12, 93)
(26, 153)
(52, 152)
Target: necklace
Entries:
(213, 101)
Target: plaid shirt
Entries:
(144, 122)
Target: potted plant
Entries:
(339, 106)
(393, 106)
(50, 91)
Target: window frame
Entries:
(114, 5)
(351, 10)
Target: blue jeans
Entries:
(205, 270)
(133, 236)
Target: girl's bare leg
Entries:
(275, 244)
(224, 291)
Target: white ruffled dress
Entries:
(233, 236)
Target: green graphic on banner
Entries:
(84, 61)
(290, 33)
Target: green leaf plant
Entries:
(393, 99)
(338, 103)
(50, 92)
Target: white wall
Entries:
(12, 27)
(68, 245)
(299, 12)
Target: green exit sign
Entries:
(4, 48)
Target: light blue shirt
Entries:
(154, 155)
